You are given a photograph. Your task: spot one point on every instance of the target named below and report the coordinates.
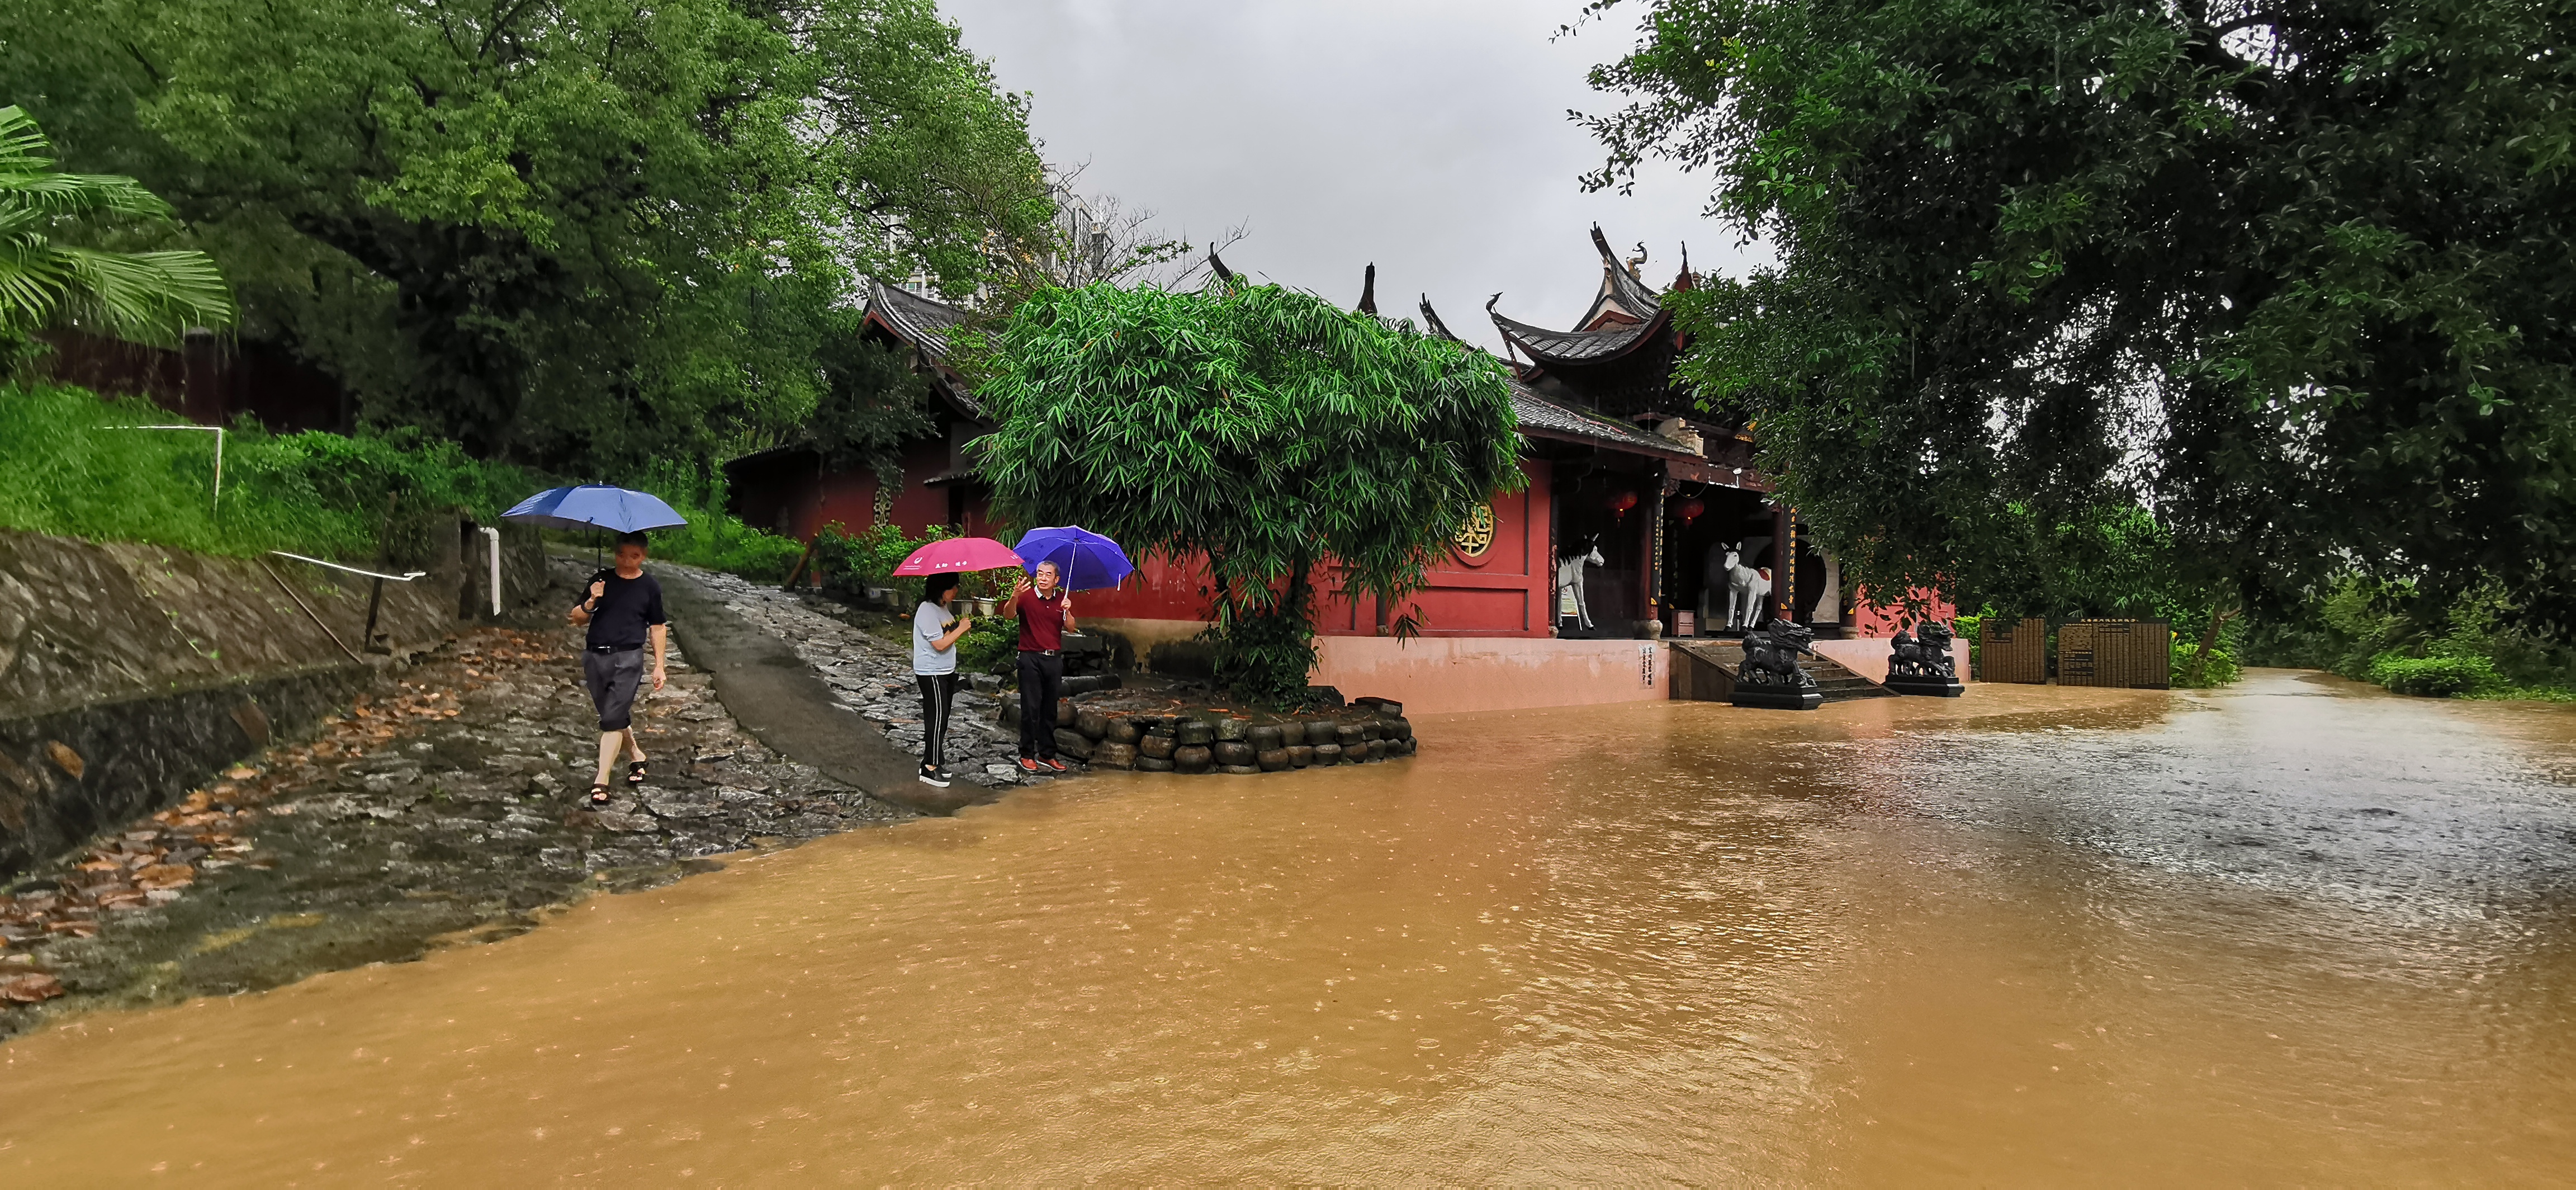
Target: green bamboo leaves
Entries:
(1255, 426)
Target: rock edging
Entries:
(1197, 742)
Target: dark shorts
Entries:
(613, 679)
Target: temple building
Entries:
(1636, 502)
(1662, 522)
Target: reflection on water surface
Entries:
(2290, 931)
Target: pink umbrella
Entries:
(959, 554)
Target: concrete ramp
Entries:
(780, 701)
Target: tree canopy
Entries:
(572, 232)
(1257, 427)
(2295, 276)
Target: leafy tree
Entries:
(2294, 275)
(872, 403)
(574, 232)
(146, 296)
(1257, 427)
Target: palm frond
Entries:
(22, 144)
(151, 297)
(81, 194)
(32, 278)
(147, 296)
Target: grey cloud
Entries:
(1428, 137)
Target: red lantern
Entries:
(1621, 503)
(1690, 509)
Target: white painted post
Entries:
(492, 537)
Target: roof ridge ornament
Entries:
(1431, 320)
(1602, 242)
(1368, 291)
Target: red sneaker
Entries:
(1057, 764)
(1029, 764)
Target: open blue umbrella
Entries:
(1084, 560)
(595, 506)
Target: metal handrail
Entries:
(400, 578)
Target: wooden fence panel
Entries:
(2016, 654)
(2127, 654)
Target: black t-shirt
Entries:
(626, 607)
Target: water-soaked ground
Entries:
(2292, 932)
(445, 807)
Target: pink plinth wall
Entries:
(1432, 675)
(1867, 656)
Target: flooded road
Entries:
(2295, 931)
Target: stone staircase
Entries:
(1712, 677)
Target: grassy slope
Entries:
(72, 464)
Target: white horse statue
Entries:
(1569, 582)
(1747, 589)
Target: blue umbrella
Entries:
(1084, 560)
(595, 506)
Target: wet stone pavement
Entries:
(443, 808)
(872, 676)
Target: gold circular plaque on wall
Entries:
(1477, 535)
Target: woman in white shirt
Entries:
(934, 666)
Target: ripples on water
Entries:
(2288, 932)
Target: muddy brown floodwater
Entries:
(2293, 932)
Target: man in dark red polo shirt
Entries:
(1046, 614)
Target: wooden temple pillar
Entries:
(1784, 562)
(1654, 584)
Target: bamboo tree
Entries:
(1255, 427)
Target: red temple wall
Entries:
(1502, 592)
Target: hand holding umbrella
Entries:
(1084, 560)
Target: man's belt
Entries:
(616, 648)
(1043, 652)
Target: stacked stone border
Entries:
(1209, 741)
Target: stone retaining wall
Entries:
(129, 673)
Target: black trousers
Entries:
(938, 692)
(1041, 683)
(612, 679)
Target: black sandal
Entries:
(598, 796)
(634, 773)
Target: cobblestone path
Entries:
(872, 677)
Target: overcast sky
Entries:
(1428, 136)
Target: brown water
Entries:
(2289, 933)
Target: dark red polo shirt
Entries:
(1041, 620)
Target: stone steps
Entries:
(1835, 682)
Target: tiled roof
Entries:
(919, 320)
(1618, 287)
(1547, 346)
(1544, 417)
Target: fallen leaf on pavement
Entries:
(30, 989)
(165, 876)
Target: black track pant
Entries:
(1041, 683)
(937, 692)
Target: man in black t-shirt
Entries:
(624, 610)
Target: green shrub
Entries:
(2220, 669)
(848, 564)
(2433, 677)
(990, 647)
(714, 539)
